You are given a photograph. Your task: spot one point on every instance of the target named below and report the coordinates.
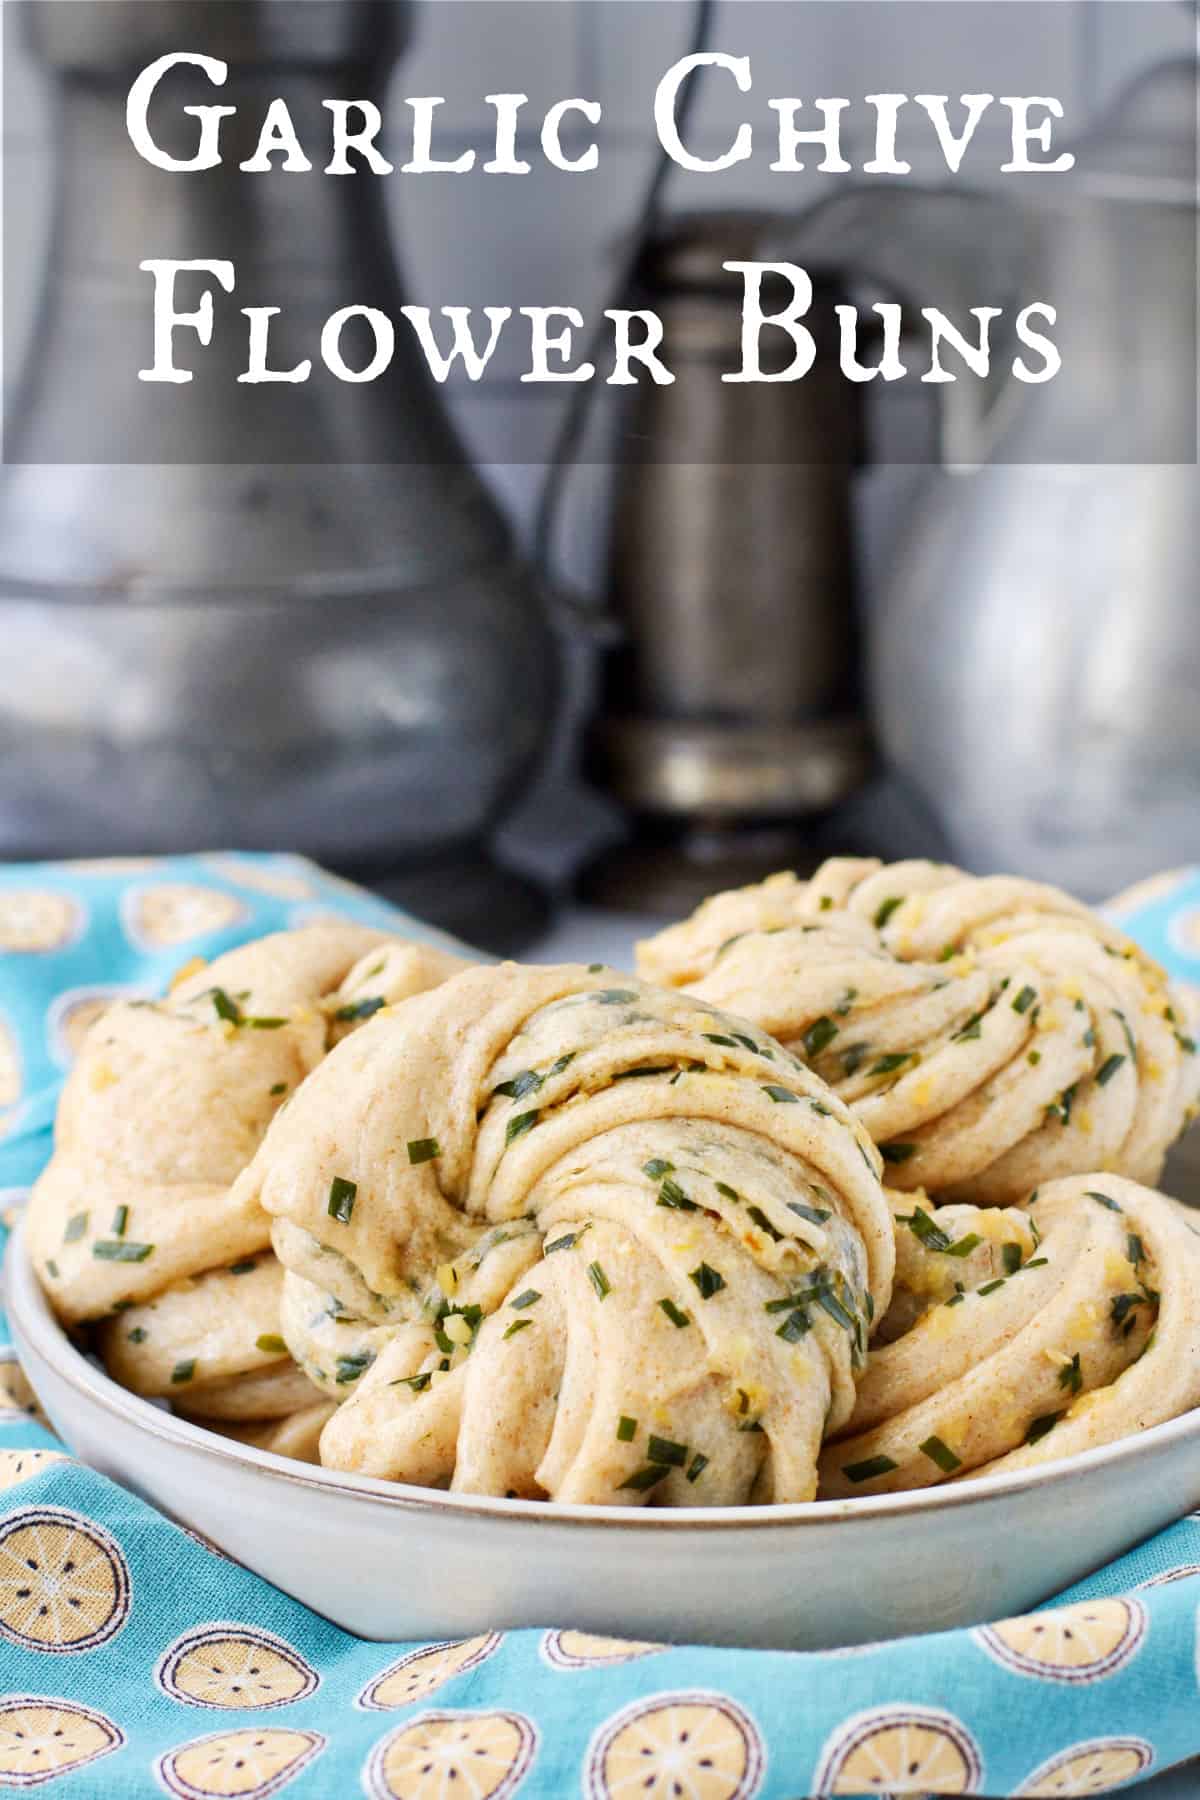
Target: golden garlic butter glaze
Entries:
(561, 1234)
(990, 1033)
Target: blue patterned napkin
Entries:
(153, 1664)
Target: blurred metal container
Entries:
(217, 643)
(731, 708)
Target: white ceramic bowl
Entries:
(387, 1561)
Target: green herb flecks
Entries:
(183, 1371)
(707, 1280)
(940, 1453)
(1024, 1000)
(518, 1126)
(342, 1195)
(1070, 1376)
(423, 1150)
(517, 1325)
(697, 1466)
(870, 1469)
(781, 1096)
(626, 1429)
(599, 1280)
(676, 1314)
(819, 1036)
(349, 1368)
(271, 1344)
(75, 1228)
(1109, 1067)
(1042, 1427)
(888, 907)
(662, 1450)
(897, 1153)
(121, 1250)
(357, 1010)
(645, 1478)
(530, 1297)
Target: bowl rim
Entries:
(31, 1318)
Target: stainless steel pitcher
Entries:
(217, 643)
(1035, 657)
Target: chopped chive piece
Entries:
(1010, 1256)
(852, 1058)
(595, 968)
(971, 1030)
(1123, 1305)
(529, 1298)
(677, 1317)
(1034, 1058)
(941, 1454)
(924, 1230)
(989, 1287)
(897, 1153)
(280, 1087)
(121, 1250)
(567, 1241)
(517, 1325)
(271, 1342)
(1038, 1262)
(868, 1470)
(1109, 1067)
(626, 1429)
(520, 1125)
(423, 1150)
(138, 1335)
(243, 1268)
(183, 1371)
(614, 996)
(956, 1299)
(662, 1450)
(599, 1280)
(360, 1009)
(76, 1226)
(1104, 1201)
(1024, 1000)
(646, 1477)
(819, 1036)
(714, 1037)
(1042, 1427)
(723, 1188)
(560, 1063)
(795, 1326)
(1060, 1109)
(52, 1268)
(527, 1082)
(782, 1096)
(342, 1195)
(225, 1008)
(671, 1195)
(697, 1467)
(120, 1221)
(829, 1302)
(825, 903)
(349, 1368)
(887, 909)
(641, 1071)
(1071, 1376)
(760, 1218)
(887, 1065)
(1135, 1248)
(657, 1167)
(846, 1004)
(418, 1383)
(816, 1215)
(707, 1280)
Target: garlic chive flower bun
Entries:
(1020, 1335)
(141, 1221)
(990, 1033)
(553, 1233)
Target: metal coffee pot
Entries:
(1035, 657)
(217, 643)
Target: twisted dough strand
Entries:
(140, 1218)
(989, 1033)
(603, 1243)
(1074, 1321)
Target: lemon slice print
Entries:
(281, 884)
(16, 1395)
(64, 1584)
(1084, 1642)
(1092, 1768)
(41, 1738)
(35, 921)
(423, 1672)
(238, 1765)
(17, 1466)
(581, 1650)
(234, 1666)
(696, 1744)
(900, 1750)
(472, 1755)
(1182, 1573)
(174, 912)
